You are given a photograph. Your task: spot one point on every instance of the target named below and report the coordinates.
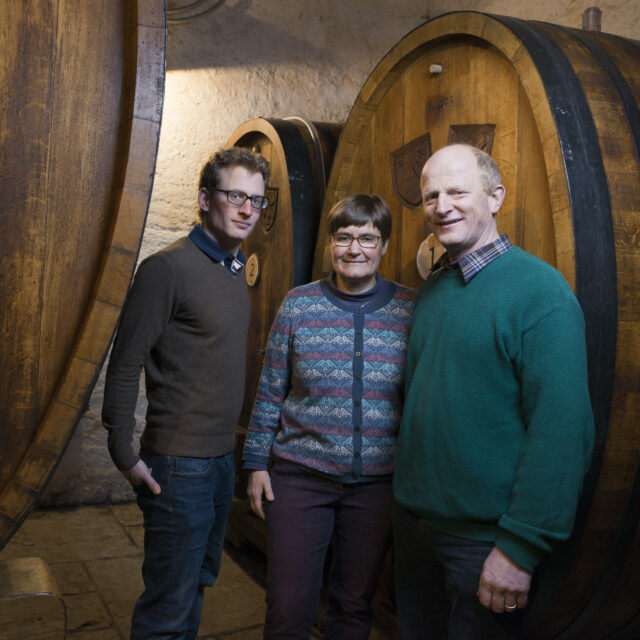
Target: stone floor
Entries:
(95, 554)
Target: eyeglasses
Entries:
(366, 240)
(238, 198)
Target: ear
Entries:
(496, 199)
(385, 246)
(203, 199)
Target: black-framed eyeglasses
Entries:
(365, 240)
(238, 198)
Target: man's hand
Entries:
(259, 484)
(140, 473)
(504, 585)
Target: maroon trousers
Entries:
(309, 511)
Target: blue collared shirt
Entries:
(477, 260)
(208, 245)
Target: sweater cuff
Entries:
(255, 466)
(255, 463)
(518, 550)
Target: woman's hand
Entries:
(259, 484)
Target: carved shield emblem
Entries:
(268, 215)
(477, 135)
(406, 166)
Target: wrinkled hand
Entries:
(259, 484)
(503, 584)
(139, 474)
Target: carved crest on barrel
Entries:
(406, 166)
(477, 135)
(268, 215)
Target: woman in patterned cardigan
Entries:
(326, 414)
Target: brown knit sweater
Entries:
(185, 321)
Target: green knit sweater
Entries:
(497, 431)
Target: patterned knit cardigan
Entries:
(330, 396)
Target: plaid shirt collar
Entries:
(474, 262)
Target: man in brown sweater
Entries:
(185, 322)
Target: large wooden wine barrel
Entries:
(558, 109)
(82, 86)
(280, 250)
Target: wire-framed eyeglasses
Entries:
(365, 240)
(238, 198)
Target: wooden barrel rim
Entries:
(293, 154)
(317, 151)
(301, 184)
(117, 265)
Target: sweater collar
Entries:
(366, 302)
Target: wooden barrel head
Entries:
(280, 250)
(558, 110)
(82, 100)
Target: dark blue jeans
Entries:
(437, 578)
(308, 510)
(184, 530)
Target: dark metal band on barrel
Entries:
(596, 279)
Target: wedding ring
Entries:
(511, 608)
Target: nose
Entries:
(354, 246)
(443, 203)
(246, 209)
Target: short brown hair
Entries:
(232, 157)
(358, 210)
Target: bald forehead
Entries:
(451, 168)
(451, 159)
(467, 160)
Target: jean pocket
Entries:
(188, 467)
(144, 495)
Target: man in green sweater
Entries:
(185, 322)
(497, 430)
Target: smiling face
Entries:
(354, 266)
(457, 209)
(229, 224)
